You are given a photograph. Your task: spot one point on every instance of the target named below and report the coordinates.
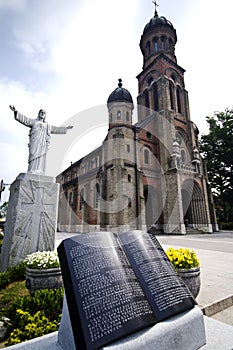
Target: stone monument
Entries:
(123, 293)
(32, 209)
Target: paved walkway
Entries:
(225, 316)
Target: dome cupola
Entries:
(120, 94)
(120, 106)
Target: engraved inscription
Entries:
(162, 285)
(109, 294)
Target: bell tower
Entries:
(161, 82)
(163, 97)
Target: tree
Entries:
(217, 150)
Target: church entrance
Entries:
(151, 206)
(187, 208)
(194, 207)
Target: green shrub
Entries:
(226, 225)
(16, 273)
(49, 301)
(4, 279)
(30, 327)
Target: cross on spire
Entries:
(156, 5)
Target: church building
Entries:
(147, 175)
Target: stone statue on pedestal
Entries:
(39, 139)
(31, 221)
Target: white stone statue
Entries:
(39, 139)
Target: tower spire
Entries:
(156, 5)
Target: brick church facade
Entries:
(147, 175)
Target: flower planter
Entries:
(43, 279)
(191, 278)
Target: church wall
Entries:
(77, 185)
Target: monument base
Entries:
(219, 336)
(31, 218)
(185, 331)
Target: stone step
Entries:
(192, 231)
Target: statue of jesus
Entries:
(39, 139)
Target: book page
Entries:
(164, 289)
(105, 293)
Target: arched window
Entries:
(163, 41)
(156, 97)
(171, 93)
(149, 81)
(147, 101)
(129, 178)
(96, 196)
(156, 47)
(110, 117)
(118, 115)
(81, 199)
(146, 156)
(183, 156)
(148, 48)
(173, 78)
(129, 202)
(128, 148)
(71, 198)
(127, 116)
(178, 97)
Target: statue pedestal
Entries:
(31, 218)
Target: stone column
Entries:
(31, 218)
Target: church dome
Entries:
(157, 22)
(120, 94)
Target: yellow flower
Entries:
(183, 257)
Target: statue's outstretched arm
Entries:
(60, 129)
(21, 118)
(13, 108)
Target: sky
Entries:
(67, 56)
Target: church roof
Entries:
(120, 94)
(157, 21)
